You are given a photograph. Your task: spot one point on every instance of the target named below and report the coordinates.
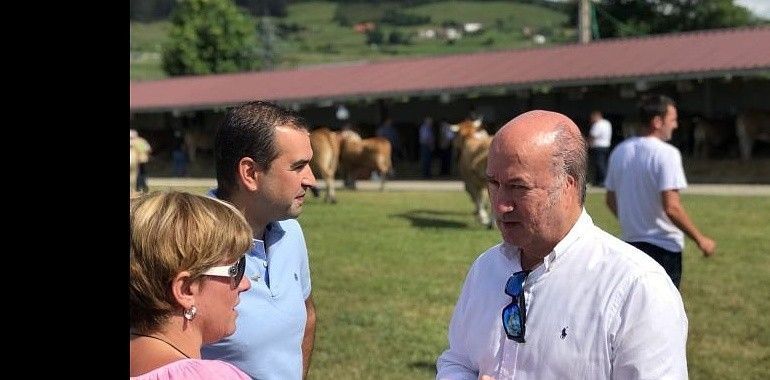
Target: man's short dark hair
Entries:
(654, 105)
(248, 130)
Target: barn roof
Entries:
(693, 55)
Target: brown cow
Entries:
(326, 155)
(364, 155)
(472, 142)
(751, 126)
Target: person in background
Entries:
(643, 183)
(262, 155)
(133, 170)
(388, 131)
(427, 145)
(343, 117)
(599, 140)
(186, 273)
(559, 298)
(179, 155)
(143, 150)
(445, 146)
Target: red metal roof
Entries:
(674, 56)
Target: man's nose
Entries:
(502, 204)
(308, 179)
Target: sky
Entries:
(759, 7)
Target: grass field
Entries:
(387, 269)
(324, 40)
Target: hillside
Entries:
(321, 32)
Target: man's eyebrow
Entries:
(299, 163)
(508, 181)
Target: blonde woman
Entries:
(187, 264)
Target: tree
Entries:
(210, 36)
(619, 18)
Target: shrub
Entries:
(399, 18)
(374, 36)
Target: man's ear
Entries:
(571, 182)
(184, 290)
(657, 122)
(249, 173)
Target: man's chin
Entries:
(511, 238)
(294, 212)
(290, 214)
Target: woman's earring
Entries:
(189, 314)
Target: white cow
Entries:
(751, 126)
(710, 136)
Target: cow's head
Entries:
(467, 129)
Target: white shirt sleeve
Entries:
(671, 175)
(649, 331)
(455, 362)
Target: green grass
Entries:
(326, 41)
(388, 267)
(149, 37)
(149, 70)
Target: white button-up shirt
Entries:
(597, 308)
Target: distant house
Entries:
(427, 34)
(452, 34)
(472, 27)
(363, 27)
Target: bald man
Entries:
(559, 298)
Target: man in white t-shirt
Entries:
(643, 182)
(599, 139)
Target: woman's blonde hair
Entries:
(173, 232)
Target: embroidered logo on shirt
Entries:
(564, 332)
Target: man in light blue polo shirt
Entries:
(262, 155)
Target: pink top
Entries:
(195, 369)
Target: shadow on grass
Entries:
(424, 366)
(437, 212)
(431, 219)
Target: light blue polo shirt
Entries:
(267, 343)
